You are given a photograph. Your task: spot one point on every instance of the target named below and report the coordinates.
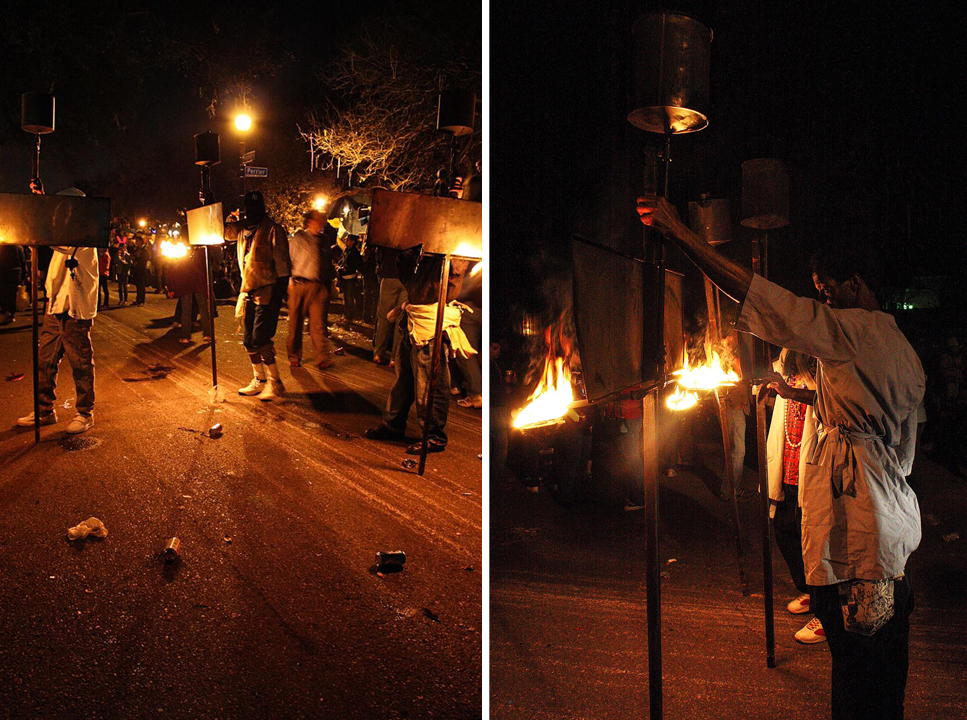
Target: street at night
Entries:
(275, 609)
(569, 633)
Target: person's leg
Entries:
(325, 307)
(787, 525)
(315, 300)
(102, 288)
(401, 397)
(51, 350)
(80, 355)
(440, 398)
(471, 367)
(297, 314)
(383, 336)
(255, 357)
(184, 304)
(139, 283)
(265, 325)
(869, 674)
(204, 314)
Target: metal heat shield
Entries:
(55, 220)
(206, 225)
(444, 226)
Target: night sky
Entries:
(134, 83)
(864, 108)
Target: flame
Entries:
(706, 377)
(551, 399)
(468, 249)
(681, 399)
(173, 250)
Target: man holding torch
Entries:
(860, 519)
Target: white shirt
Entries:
(75, 296)
(860, 519)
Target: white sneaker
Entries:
(80, 423)
(253, 388)
(811, 633)
(799, 605)
(45, 419)
(272, 390)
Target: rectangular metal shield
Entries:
(444, 226)
(55, 220)
(206, 225)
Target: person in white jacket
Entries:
(72, 281)
(792, 437)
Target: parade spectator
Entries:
(308, 290)
(349, 273)
(792, 438)
(72, 292)
(370, 283)
(187, 282)
(263, 259)
(139, 268)
(103, 277)
(392, 295)
(124, 261)
(11, 265)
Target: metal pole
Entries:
(649, 451)
(434, 361)
(767, 580)
(760, 245)
(241, 173)
(34, 273)
(211, 319)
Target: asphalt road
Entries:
(275, 609)
(568, 612)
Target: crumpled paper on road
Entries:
(91, 526)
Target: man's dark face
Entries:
(836, 294)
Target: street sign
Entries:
(248, 157)
(256, 172)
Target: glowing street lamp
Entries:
(142, 222)
(320, 202)
(243, 122)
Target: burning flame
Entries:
(706, 377)
(681, 399)
(552, 397)
(173, 250)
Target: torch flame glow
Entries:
(681, 399)
(552, 397)
(173, 250)
(706, 377)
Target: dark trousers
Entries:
(787, 525)
(103, 287)
(261, 322)
(392, 294)
(412, 380)
(9, 285)
(138, 275)
(307, 300)
(370, 299)
(351, 297)
(869, 675)
(186, 306)
(63, 335)
(123, 272)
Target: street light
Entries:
(142, 222)
(320, 202)
(243, 123)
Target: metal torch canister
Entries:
(171, 551)
(396, 558)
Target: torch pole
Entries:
(649, 451)
(211, 319)
(759, 265)
(34, 274)
(434, 362)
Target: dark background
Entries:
(863, 107)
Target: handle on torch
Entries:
(34, 276)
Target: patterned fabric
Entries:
(867, 605)
(795, 419)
